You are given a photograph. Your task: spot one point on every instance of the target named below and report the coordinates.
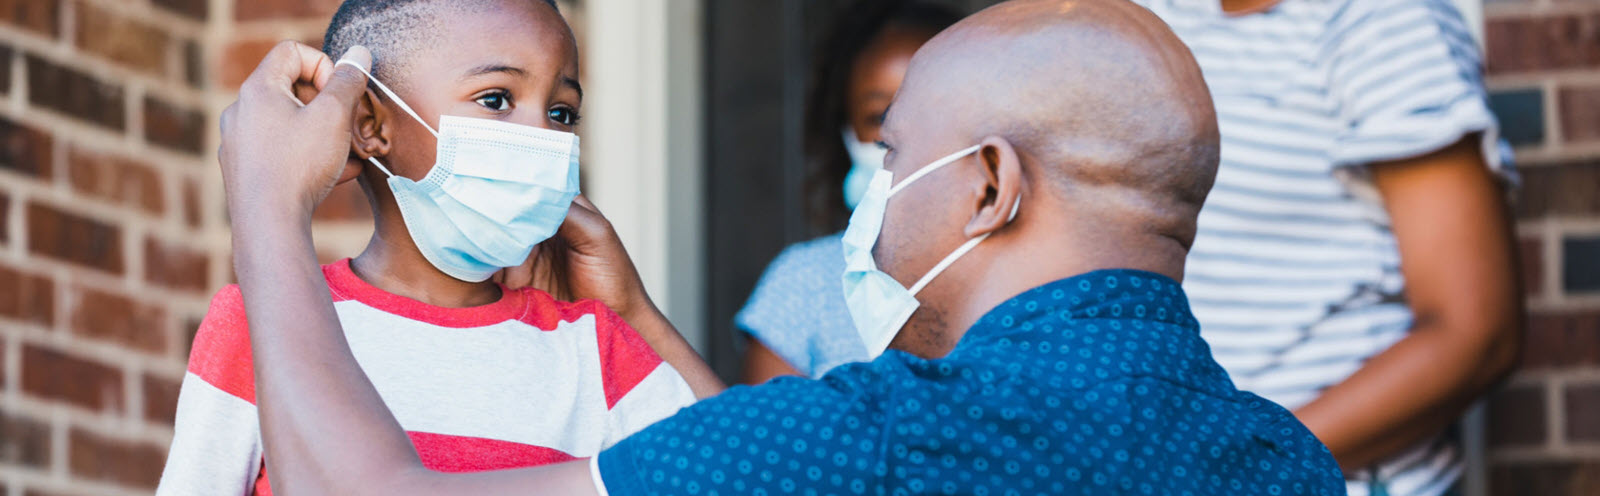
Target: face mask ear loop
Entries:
(953, 256)
(390, 93)
(380, 167)
(933, 167)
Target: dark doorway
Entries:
(757, 62)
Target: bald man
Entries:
(1047, 162)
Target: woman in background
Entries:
(796, 316)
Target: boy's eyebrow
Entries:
(572, 83)
(493, 68)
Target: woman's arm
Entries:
(1450, 218)
(761, 364)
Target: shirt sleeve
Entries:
(1408, 78)
(787, 434)
(640, 387)
(216, 444)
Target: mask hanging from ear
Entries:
(878, 304)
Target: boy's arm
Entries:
(1451, 222)
(326, 429)
(216, 443)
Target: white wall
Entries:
(642, 143)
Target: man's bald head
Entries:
(1101, 100)
(1091, 117)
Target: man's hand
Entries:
(586, 259)
(280, 157)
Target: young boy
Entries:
(481, 377)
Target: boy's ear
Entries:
(1001, 187)
(370, 131)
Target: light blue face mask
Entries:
(496, 190)
(878, 304)
(865, 159)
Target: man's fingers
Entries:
(287, 63)
(347, 83)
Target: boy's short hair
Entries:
(391, 29)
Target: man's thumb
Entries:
(348, 81)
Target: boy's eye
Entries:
(882, 145)
(565, 116)
(497, 101)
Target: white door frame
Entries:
(643, 143)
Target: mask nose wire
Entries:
(392, 96)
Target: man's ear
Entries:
(370, 131)
(1002, 186)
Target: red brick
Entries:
(1553, 478)
(5, 69)
(1562, 340)
(247, 10)
(53, 233)
(194, 69)
(1583, 412)
(175, 266)
(197, 9)
(1531, 251)
(174, 127)
(191, 204)
(1521, 44)
(27, 297)
(1580, 113)
(116, 318)
(121, 39)
(39, 16)
(24, 150)
(1517, 417)
(54, 375)
(1563, 189)
(116, 179)
(347, 202)
(239, 59)
(108, 459)
(75, 94)
(24, 441)
(160, 399)
(5, 217)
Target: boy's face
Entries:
(515, 61)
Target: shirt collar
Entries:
(1118, 294)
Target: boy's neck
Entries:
(400, 269)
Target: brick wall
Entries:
(113, 234)
(112, 231)
(1544, 72)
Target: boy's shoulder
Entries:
(221, 354)
(626, 360)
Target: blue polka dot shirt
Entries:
(1095, 384)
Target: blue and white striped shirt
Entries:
(1295, 275)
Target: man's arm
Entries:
(586, 259)
(1450, 220)
(325, 428)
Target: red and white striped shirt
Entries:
(524, 381)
